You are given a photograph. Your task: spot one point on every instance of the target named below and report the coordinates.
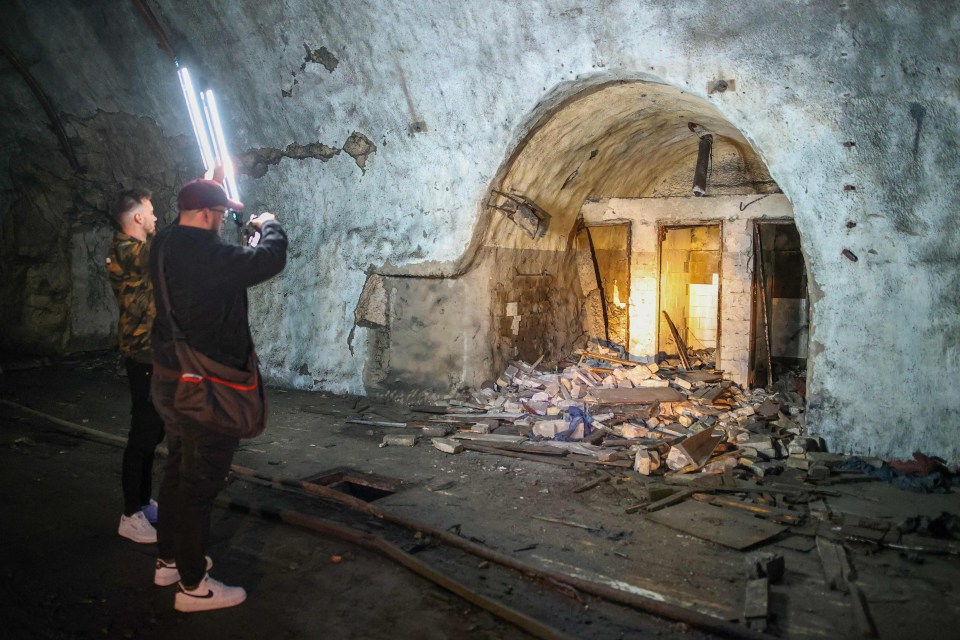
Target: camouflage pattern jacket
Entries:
(127, 267)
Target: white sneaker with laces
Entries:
(210, 594)
(167, 574)
(137, 528)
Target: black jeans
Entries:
(196, 471)
(146, 432)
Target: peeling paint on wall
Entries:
(254, 162)
(319, 56)
(359, 147)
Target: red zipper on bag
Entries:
(196, 378)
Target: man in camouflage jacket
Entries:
(128, 269)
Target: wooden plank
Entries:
(636, 395)
(672, 499)
(700, 446)
(701, 375)
(600, 356)
(756, 603)
(861, 612)
(592, 484)
(716, 524)
(376, 423)
(836, 567)
(800, 543)
(489, 438)
(506, 453)
(771, 513)
(476, 417)
(681, 345)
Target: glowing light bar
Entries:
(220, 144)
(196, 119)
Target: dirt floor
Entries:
(591, 568)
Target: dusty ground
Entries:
(69, 575)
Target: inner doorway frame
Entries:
(662, 229)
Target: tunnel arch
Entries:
(633, 143)
(642, 123)
(604, 152)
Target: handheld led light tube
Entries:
(220, 144)
(209, 132)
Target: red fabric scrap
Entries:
(920, 467)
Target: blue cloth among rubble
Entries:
(934, 483)
(574, 417)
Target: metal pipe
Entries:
(155, 26)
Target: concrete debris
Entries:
(642, 412)
(399, 440)
(447, 446)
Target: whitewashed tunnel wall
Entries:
(828, 93)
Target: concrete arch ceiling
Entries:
(623, 140)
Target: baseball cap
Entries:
(205, 194)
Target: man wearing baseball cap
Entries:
(207, 282)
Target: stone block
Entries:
(447, 446)
(400, 440)
(435, 431)
(549, 428)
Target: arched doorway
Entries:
(607, 174)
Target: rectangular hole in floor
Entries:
(363, 486)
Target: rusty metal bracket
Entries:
(525, 213)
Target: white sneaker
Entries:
(167, 574)
(210, 594)
(137, 528)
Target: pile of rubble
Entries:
(653, 417)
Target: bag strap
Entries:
(178, 333)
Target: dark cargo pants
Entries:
(195, 473)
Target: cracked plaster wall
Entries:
(448, 90)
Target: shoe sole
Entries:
(138, 540)
(196, 605)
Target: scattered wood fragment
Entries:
(376, 423)
(599, 356)
(593, 483)
(771, 513)
(861, 612)
(728, 527)
(840, 576)
(508, 453)
(836, 566)
(567, 523)
(700, 446)
(681, 345)
(636, 395)
(434, 409)
(673, 498)
(490, 438)
(756, 603)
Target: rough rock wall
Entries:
(830, 94)
(57, 232)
